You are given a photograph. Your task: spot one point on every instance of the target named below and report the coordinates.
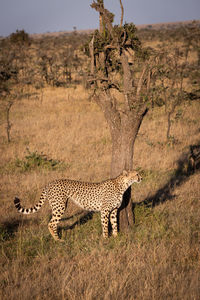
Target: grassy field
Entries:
(63, 135)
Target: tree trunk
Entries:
(8, 127)
(168, 125)
(123, 140)
(122, 159)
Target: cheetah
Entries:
(105, 197)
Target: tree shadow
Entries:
(180, 176)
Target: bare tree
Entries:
(120, 79)
(170, 73)
(13, 72)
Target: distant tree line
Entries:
(47, 60)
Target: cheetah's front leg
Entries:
(113, 220)
(104, 222)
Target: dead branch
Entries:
(91, 49)
(122, 14)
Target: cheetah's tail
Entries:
(30, 210)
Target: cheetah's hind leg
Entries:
(53, 224)
(53, 229)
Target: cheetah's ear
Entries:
(124, 173)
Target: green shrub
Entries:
(34, 160)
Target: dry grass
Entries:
(158, 259)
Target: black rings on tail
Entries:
(28, 210)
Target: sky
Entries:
(41, 16)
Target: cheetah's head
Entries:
(131, 176)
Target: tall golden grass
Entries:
(157, 259)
